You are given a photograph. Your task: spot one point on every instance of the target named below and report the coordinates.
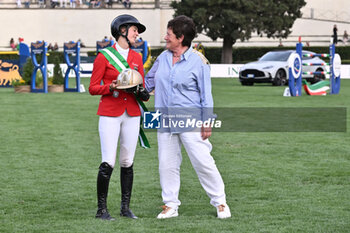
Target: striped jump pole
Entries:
(317, 72)
(317, 55)
(316, 64)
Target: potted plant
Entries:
(57, 79)
(23, 85)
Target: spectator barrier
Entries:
(9, 69)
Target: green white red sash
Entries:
(117, 60)
(114, 57)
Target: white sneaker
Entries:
(167, 212)
(223, 211)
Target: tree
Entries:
(238, 19)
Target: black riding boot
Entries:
(104, 174)
(126, 179)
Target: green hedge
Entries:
(92, 53)
(156, 52)
(50, 58)
(239, 55)
(9, 57)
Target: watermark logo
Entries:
(180, 119)
(152, 120)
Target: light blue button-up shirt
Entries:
(186, 84)
(182, 90)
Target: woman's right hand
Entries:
(113, 85)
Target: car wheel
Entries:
(280, 78)
(318, 77)
(247, 83)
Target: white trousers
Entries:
(170, 158)
(125, 128)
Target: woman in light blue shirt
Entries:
(181, 79)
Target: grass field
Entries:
(275, 182)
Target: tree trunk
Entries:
(226, 56)
(157, 4)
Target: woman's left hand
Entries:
(205, 132)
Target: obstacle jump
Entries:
(71, 49)
(295, 72)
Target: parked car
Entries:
(272, 67)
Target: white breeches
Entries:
(170, 158)
(125, 128)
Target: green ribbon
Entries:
(117, 60)
(142, 136)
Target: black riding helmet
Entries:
(128, 21)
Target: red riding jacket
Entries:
(109, 105)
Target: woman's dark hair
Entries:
(183, 25)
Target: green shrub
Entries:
(57, 72)
(27, 71)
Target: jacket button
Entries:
(124, 98)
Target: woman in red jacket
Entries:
(118, 110)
